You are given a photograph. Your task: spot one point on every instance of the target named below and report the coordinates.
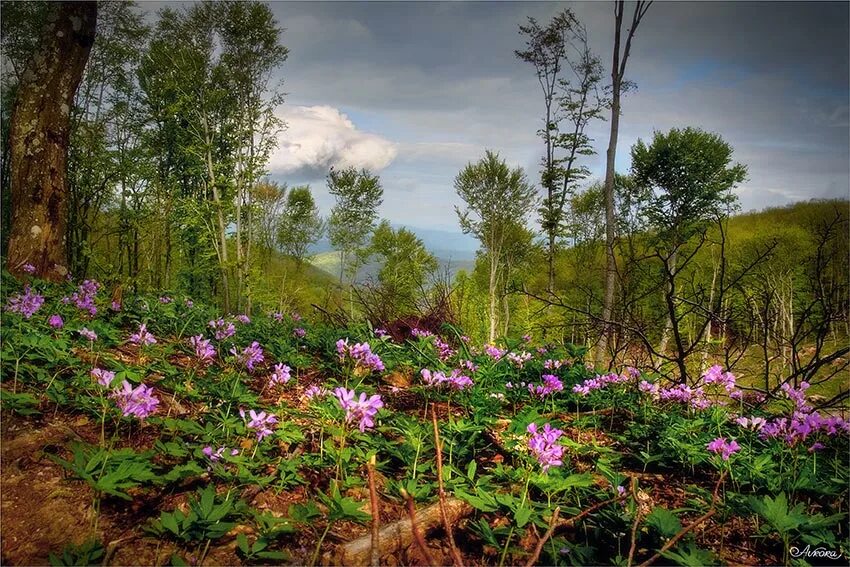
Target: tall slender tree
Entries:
(358, 195)
(497, 198)
(38, 140)
(569, 76)
(618, 73)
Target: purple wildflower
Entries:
(724, 449)
(421, 333)
(115, 306)
(87, 334)
(204, 351)
(315, 391)
(544, 445)
(142, 337)
(261, 422)
(519, 359)
(84, 297)
(280, 375)
(361, 353)
(362, 409)
(26, 304)
(381, 333)
(250, 355)
(494, 352)
(223, 329)
(103, 377)
(551, 384)
(165, 299)
(213, 456)
(456, 380)
(55, 321)
(138, 401)
(244, 319)
(28, 268)
(277, 316)
(299, 333)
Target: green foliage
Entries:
(204, 520)
(358, 195)
(87, 553)
(690, 176)
(109, 472)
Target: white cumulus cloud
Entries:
(318, 137)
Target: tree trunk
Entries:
(610, 260)
(39, 137)
(670, 272)
(492, 296)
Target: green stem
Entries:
(319, 545)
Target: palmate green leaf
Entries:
(776, 512)
(690, 555)
(664, 521)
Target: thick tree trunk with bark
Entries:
(39, 137)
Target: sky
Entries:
(415, 91)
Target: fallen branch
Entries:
(400, 535)
(542, 541)
(690, 527)
(456, 557)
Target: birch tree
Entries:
(497, 197)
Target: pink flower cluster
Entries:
(26, 304)
(361, 410)
(361, 354)
(551, 384)
(87, 334)
(250, 356)
(544, 445)
(444, 349)
(242, 318)
(456, 380)
(603, 381)
(260, 422)
(84, 297)
(315, 392)
(420, 333)
(223, 329)
(555, 364)
(723, 448)
(696, 397)
(142, 337)
(204, 351)
(215, 456)
(797, 395)
(494, 352)
(138, 401)
(280, 375)
(56, 321)
(519, 359)
(103, 377)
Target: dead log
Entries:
(397, 537)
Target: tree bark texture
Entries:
(39, 138)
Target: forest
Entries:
(200, 367)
